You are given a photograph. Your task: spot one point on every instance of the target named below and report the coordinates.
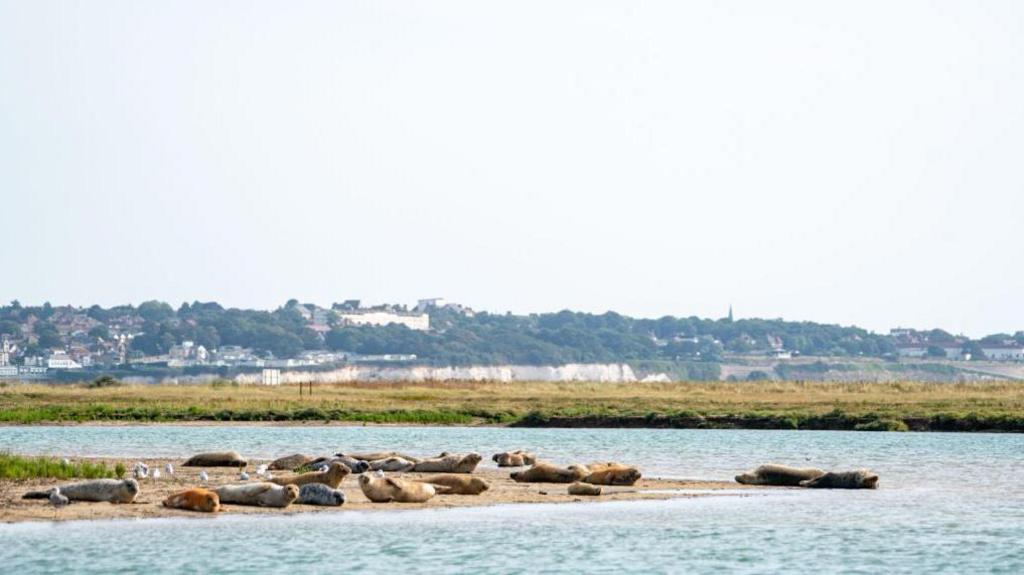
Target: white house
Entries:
(1003, 352)
(416, 321)
(60, 360)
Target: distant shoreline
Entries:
(905, 406)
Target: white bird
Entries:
(141, 470)
(244, 476)
(156, 474)
(65, 462)
(379, 473)
(203, 476)
(261, 469)
(57, 499)
(169, 469)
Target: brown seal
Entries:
(194, 500)
(385, 489)
(548, 473)
(457, 484)
(332, 477)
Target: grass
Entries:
(775, 405)
(19, 467)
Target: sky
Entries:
(844, 162)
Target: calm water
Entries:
(949, 503)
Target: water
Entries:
(947, 503)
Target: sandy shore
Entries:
(503, 490)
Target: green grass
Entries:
(19, 467)
(997, 406)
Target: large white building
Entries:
(60, 360)
(1003, 352)
(417, 321)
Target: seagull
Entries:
(169, 469)
(244, 476)
(65, 462)
(378, 474)
(156, 474)
(203, 476)
(141, 470)
(261, 469)
(57, 499)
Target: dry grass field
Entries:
(721, 404)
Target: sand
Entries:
(503, 490)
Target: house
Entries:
(61, 360)
(1003, 352)
(920, 350)
(414, 321)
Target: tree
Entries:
(935, 351)
(99, 332)
(48, 337)
(974, 349)
(155, 311)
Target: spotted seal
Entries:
(858, 479)
(453, 463)
(320, 494)
(109, 490)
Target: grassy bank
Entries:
(18, 467)
(764, 405)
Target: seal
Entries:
(774, 474)
(376, 455)
(387, 489)
(218, 459)
(611, 473)
(290, 462)
(332, 477)
(549, 473)
(455, 484)
(354, 465)
(517, 458)
(110, 490)
(197, 499)
(859, 479)
(320, 494)
(392, 464)
(453, 463)
(578, 488)
(259, 494)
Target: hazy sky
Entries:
(848, 162)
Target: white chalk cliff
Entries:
(611, 372)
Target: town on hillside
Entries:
(43, 342)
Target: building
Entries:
(1003, 352)
(919, 350)
(414, 321)
(61, 360)
(6, 349)
(271, 377)
(425, 304)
